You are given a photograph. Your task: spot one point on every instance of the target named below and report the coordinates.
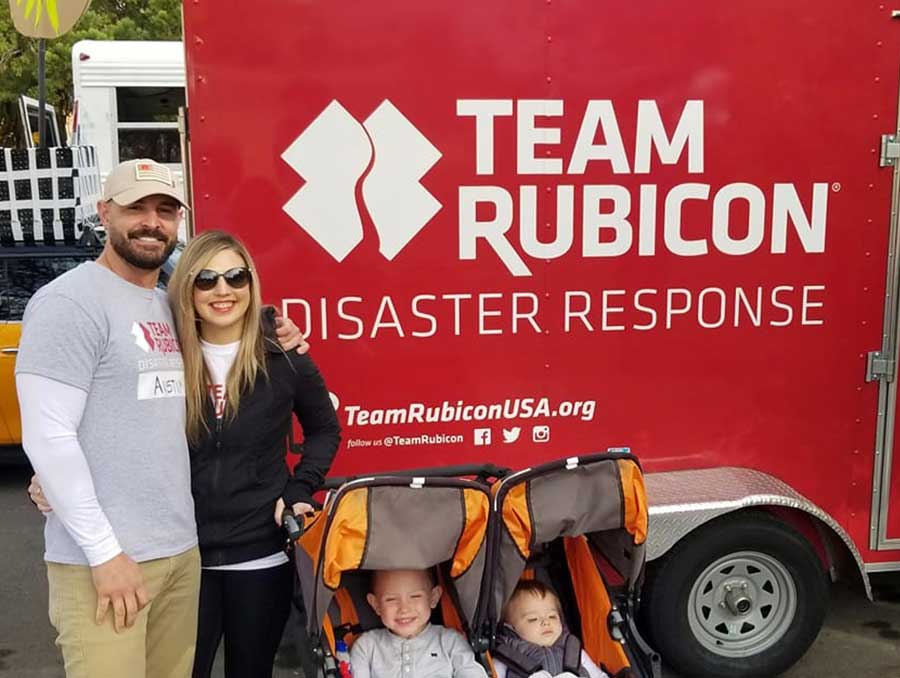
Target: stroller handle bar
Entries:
(291, 526)
(483, 472)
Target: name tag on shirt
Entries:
(165, 384)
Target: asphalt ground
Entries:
(860, 639)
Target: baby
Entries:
(534, 634)
(409, 645)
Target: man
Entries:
(101, 390)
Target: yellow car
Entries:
(10, 430)
(22, 272)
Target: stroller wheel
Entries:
(744, 596)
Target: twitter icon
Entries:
(511, 435)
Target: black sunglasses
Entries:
(236, 278)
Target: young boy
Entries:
(409, 646)
(534, 634)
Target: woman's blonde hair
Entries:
(250, 359)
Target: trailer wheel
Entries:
(743, 596)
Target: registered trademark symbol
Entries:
(836, 186)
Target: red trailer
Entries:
(523, 229)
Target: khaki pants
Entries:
(161, 642)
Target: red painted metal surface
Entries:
(792, 93)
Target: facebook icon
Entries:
(482, 436)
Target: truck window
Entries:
(34, 124)
(22, 277)
(28, 114)
(148, 123)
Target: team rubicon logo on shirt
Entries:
(161, 376)
(217, 393)
(155, 337)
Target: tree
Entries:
(104, 20)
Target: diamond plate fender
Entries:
(715, 492)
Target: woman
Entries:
(241, 391)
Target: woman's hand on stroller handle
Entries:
(286, 516)
(299, 509)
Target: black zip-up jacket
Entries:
(238, 470)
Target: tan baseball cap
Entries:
(135, 179)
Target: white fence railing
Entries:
(48, 195)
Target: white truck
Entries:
(127, 98)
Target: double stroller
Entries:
(578, 525)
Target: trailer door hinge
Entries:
(890, 150)
(184, 125)
(879, 367)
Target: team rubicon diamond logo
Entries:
(142, 337)
(387, 153)
(151, 336)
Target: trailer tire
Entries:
(743, 596)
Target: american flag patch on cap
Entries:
(151, 171)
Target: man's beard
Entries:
(145, 260)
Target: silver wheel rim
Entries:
(742, 604)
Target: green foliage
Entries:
(104, 20)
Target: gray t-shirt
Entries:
(95, 331)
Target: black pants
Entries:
(250, 609)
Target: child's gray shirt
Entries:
(437, 652)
